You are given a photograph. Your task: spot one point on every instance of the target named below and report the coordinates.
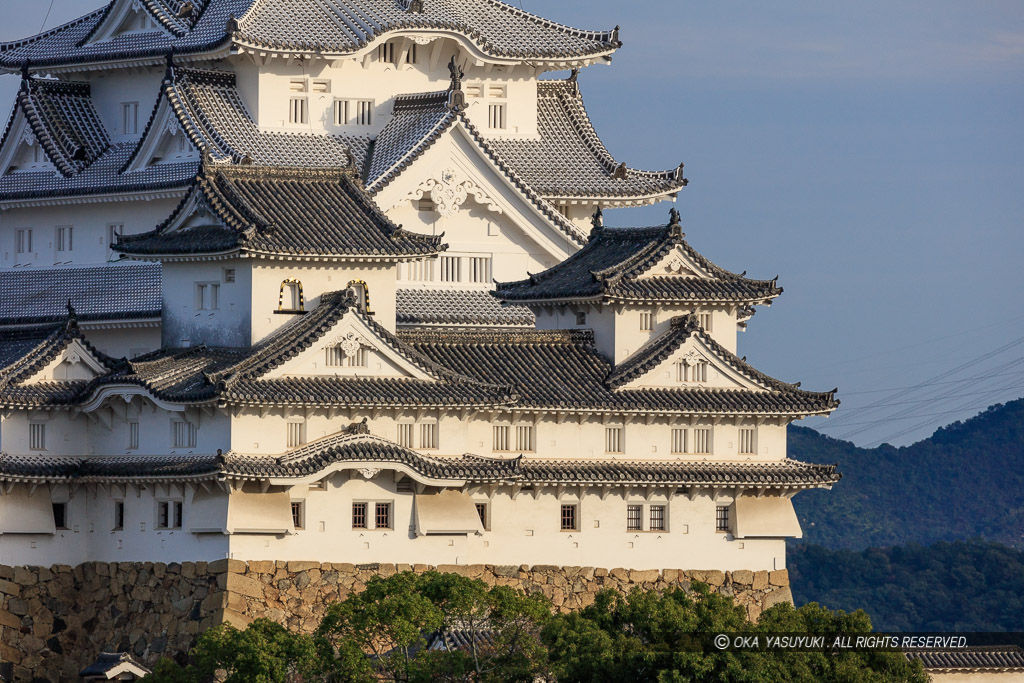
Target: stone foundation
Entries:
(54, 621)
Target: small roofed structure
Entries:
(114, 666)
(999, 663)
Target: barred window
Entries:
(37, 437)
(118, 515)
(634, 517)
(168, 514)
(405, 430)
(699, 372)
(184, 434)
(480, 269)
(364, 112)
(613, 439)
(704, 320)
(569, 517)
(207, 296)
(298, 110)
(62, 238)
(657, 514)
(496, 116)
(702, 440)
(500, 437)
(341, 112)
(420, 271)
(386, 52)
(321, 86)
(678, 440)
(524, 438)
(747, 441)
(722, 518)
(130, 118)
(133, 434)
(481, 510)
(24, 240)
(581, 318)
(646, 321)
(382, 516)
(428, 435)
(358, 515)
(451, 269)
(299, 514)
(296, 434)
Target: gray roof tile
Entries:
(982, 658)
(64, 121)
(458, 307)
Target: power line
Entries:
(46, 17)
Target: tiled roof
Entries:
(64, 121)
(561, 370)
(211, 111)
(610, 266)
(419, 122)
(327, 26)
(985, 658)
(281, 211)
(314, 458)
(114, 292)
(458, 307)
(109, 660)
(70, 43)
(568, 158)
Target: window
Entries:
(133, 434)
(321, 86)
(382, 516)
(299, 514)
(364, 112)
(297, 110)
(340, 112)
(481, 510)
(496, 116)
(501, 437)
(722, 518)
(747, 443)
(229, 275)
(451, 269)
(62, 238)
(704, 320)
(420, 271)
(569, 517)
(130, 118)
(296, 434)
(411, 57)
(114, 232)
(581, 318)
(524, 438)
(24, 240)
(473, 89)
(386, 52)
(405, 430)
(428, 435)
(168, 514)
(657, 516)
(358, 515)
(613, 441)
(118, 515)
(498, 91)
(207, 296)
(37, 436)
(634, 517)
(290, 298)
(678, 440)
(60, 515)
(564, 210)
(480, 269)
(698, 372)
(357, 359)
(646, 322)
(338, 357)
(184, 434)
(702, 440)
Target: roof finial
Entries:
(231, 27)
(72, 323)
(621, 172)
(415, 6)
(456, 98)
(574, 81)
(597, 221)
(675, 229)
(169, 73)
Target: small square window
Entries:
(229, 275)
(581, 318)
(722, 518)
(570, 517)
(428, 435)
(405, 432)
(60, 515)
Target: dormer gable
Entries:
(76, 362)
(164, 141)
(678, 262)
(125, 17)
(23, 152)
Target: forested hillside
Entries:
(965, 481)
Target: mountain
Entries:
(965, 586)
(965, 481)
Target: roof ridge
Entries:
(15, 44)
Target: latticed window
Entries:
(341, 112)
(298, 110)
(37, 437)
(184, 434)
(298, 514)
(386, 52)
(613, 439)
(133, 434)
(722, 518)
(524, 438)
(569, 517)
(420, 271)
(704, 320)
(657, 518)
(500, 437)
(24, 240)
(634, 517)
(702, 440)
(168, 514)
(451, 269)
(382, 516)
(335, 356)
(496, 116)
(481, 510)
(358, 515)
(678, 440)
(748, 443)
(428, 435)
(480, 269)
(364, 112)
(357, 359)
(405, 430)
(699, 372)
(296, 434)
(646, 321)
(62, 238)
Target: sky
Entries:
(871, 154)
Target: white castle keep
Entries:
(329, 281)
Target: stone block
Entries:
(300, 566)
(10, 588)
(644, 575)
(214, 602)
(23, 576)
(620, 574)
(507, 571)
(228, 565)
(712, 577)
(237, 583)
(779, 577)
(262, 566)
(744, 577)
(760, 580)
(9, 620)
(17, 606)
(776, 596)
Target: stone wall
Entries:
(54, 621)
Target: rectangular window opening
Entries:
(382, 516)
(569, 518)
(481, 510)
(678, 440)
(657, 518)
(634, 517)
(37, 437)
(184, 434)
(358, 515)
(613, 439)
(296, 434)
(722, 518)
(298, 514)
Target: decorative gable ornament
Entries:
(350, 344)
(451, 191)
(693, 358)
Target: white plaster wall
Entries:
(184, 325)
(65, 435)
(267, 277)
(111, 88)
(90, 242)
(125, 343)
(155, 429)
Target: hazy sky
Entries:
(871, 154)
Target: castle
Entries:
(330, 281)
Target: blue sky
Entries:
(871, 154)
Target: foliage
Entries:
(966, 481)
(506, 635)
(648, 636)
(960, 586)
